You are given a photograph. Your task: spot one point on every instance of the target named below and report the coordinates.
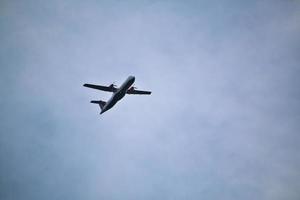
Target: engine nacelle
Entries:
(132, 88)
(112, 86)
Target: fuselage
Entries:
(119, 94)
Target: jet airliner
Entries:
(118, 93)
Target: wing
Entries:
(134, 91)
(110, 88)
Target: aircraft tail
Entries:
(100, 103)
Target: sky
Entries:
(222, 121)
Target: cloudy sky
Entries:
(222, 121)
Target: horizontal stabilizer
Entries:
(100, 103)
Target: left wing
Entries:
(110, 88)
(134, 91)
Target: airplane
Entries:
(118, 93)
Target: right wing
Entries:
(134, 91)
(110, 88)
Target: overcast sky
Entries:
(222, 121)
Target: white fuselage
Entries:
(119, 94)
